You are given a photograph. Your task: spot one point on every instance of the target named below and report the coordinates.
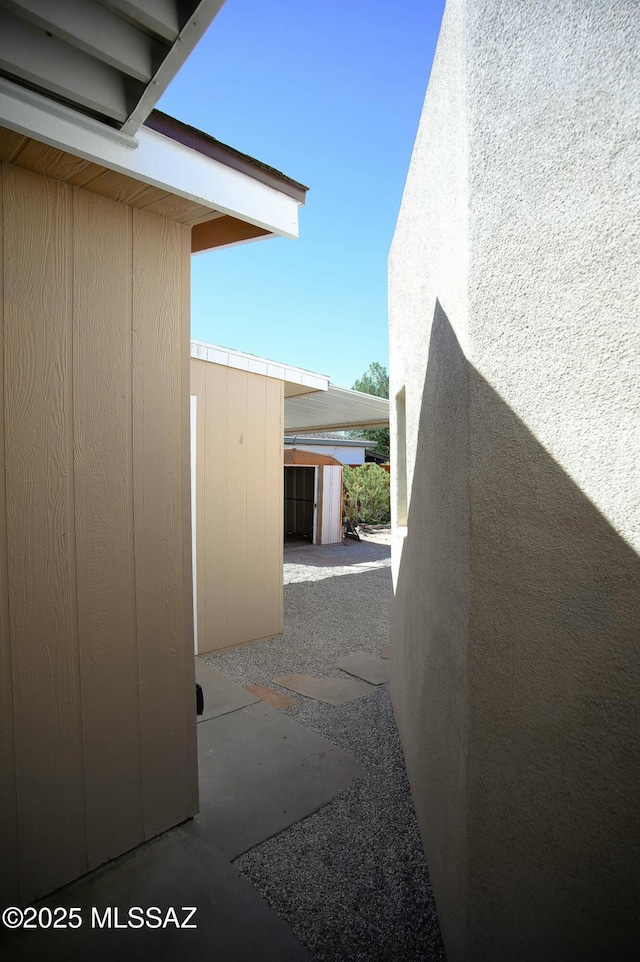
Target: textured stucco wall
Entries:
(432, 230)
(514, 331)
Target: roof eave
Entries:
(154, 159)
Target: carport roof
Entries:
(311, 402)
(338, 409)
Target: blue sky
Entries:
(330, 93)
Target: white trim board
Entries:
(193, 439)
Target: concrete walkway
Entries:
(181, 869)
(351, 879)
(260, 772)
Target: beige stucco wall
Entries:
(239, 505)
(97, 733)
(514, 333)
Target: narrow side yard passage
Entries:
(350, 880)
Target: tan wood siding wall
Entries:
(97, 743)
(239, 505)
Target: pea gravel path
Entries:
(351, 879)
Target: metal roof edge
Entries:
(205, 144)
(228, 357)
(330, 442)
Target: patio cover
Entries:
(338, 409)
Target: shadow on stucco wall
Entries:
(515, 685)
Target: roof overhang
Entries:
(339, 409)
(227, 198)
(297, 381)
(309, 458)
(109, 60)
(83, 76)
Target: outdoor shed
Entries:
(312, 496)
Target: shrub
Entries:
(367, 497)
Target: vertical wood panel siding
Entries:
(213, 505)
(104, 498)
(235, 517)
(40, 529)
(162, 545)
(96, 667)
(274, 508)
(187, 633)
(198, 389)
(239, 505)
(8, 810)
(256, 529)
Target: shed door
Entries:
(331, 504)
(299, 503)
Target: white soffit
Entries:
(109, 60)
(339, 409)
(153, 159)
(297, 378)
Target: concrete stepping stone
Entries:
(274, 698)
(333, 691)
(260, 772)
(182, 867)
(221, 695)
(364, 665)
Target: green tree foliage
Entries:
(366, 494)
(375, 380)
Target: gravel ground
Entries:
(351, 879)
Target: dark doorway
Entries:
(299, 503)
